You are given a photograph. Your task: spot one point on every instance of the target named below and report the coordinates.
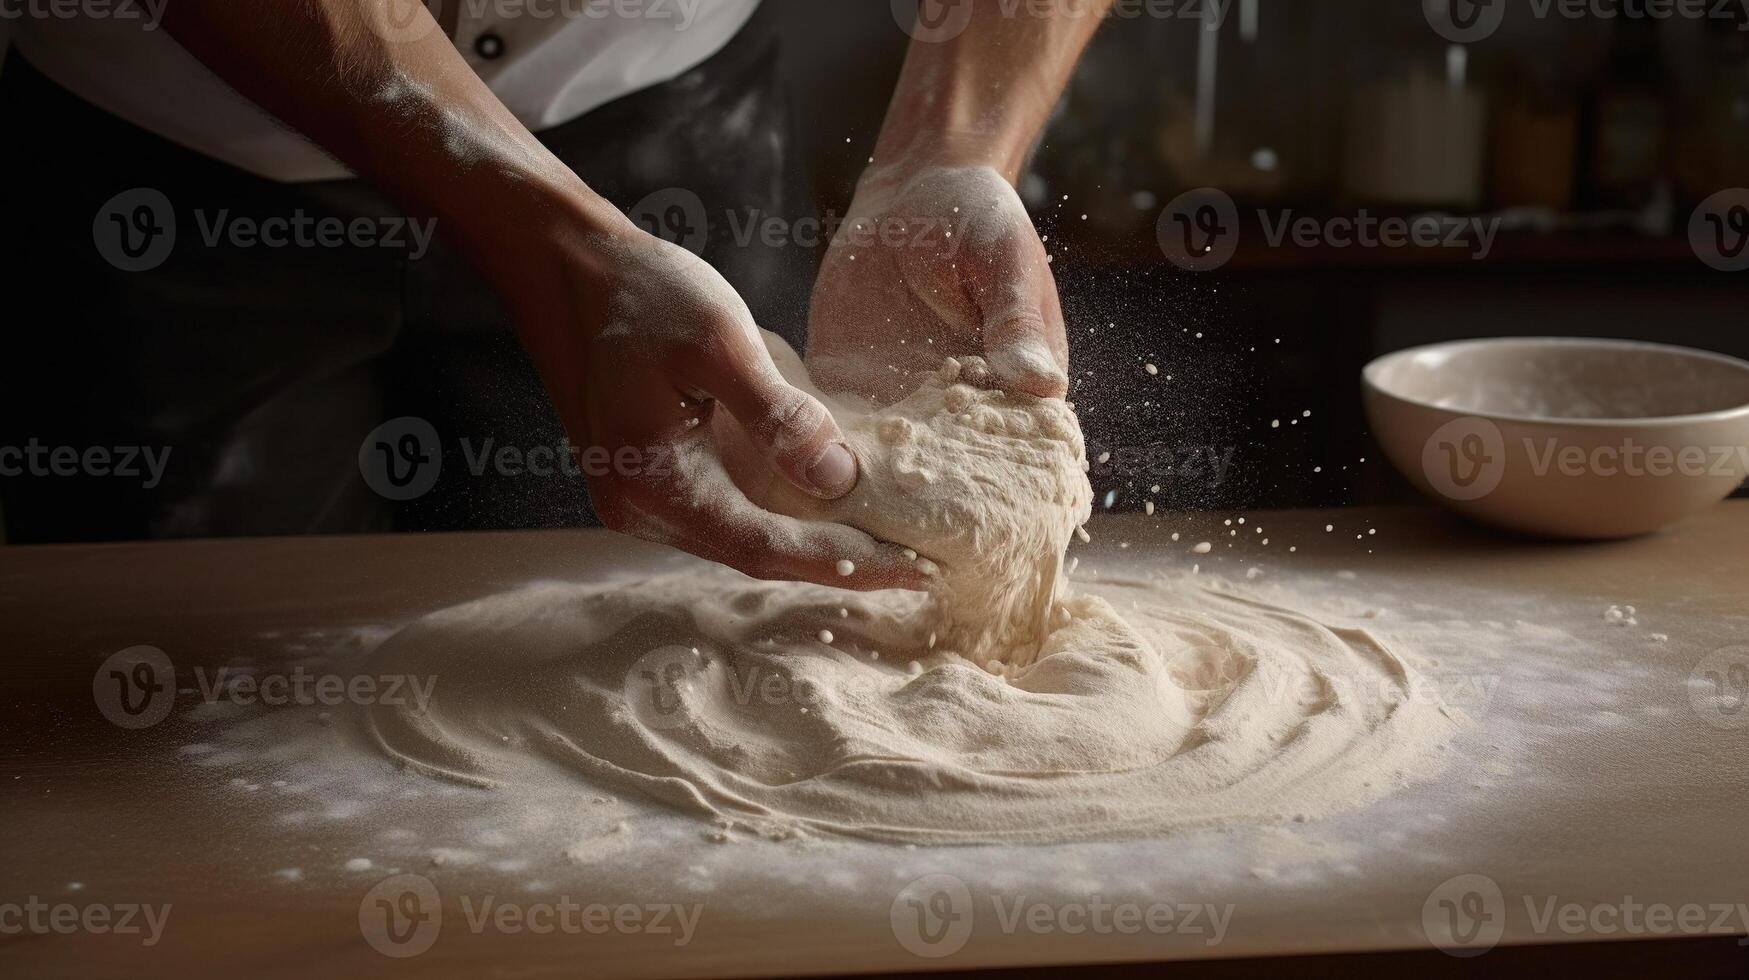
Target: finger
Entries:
(1022, 320)
(788, 426)
(692, 505)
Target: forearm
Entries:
(981, 97)
(411, 116)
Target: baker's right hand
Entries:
(639, 342)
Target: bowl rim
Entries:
(1377, 364)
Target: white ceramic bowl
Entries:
(1561, 437)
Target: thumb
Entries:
(790, 427)
(1022, 321)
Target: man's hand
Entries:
(640, 343)
(938, 256)
(941, 262)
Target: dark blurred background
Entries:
(1591, 139)
(1589, 142)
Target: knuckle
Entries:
(790, 423)
(793, 410)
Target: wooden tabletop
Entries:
(1626, 784)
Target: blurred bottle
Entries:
(1629, 120)
(1247, 101)
(1711, 150)
(1417, 137)
(1534, 160)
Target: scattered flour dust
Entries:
(1002, 707)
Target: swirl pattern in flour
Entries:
(1200, 707)
(787, 709)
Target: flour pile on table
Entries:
(1003, 707)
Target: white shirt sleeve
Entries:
(550, 61)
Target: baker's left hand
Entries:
(932, 263)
